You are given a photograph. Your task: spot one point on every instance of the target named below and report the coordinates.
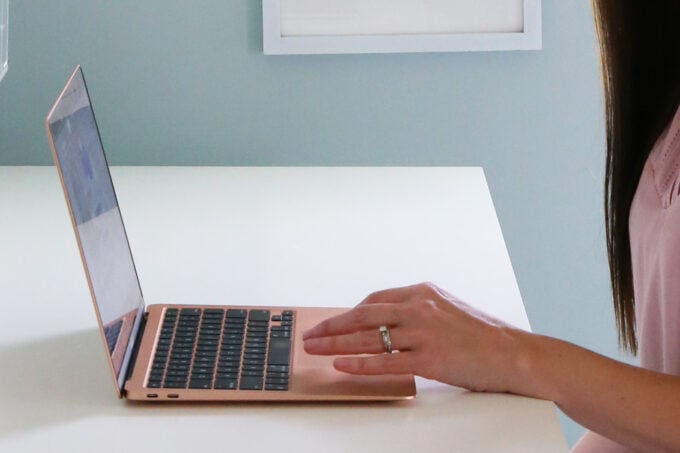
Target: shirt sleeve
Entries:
(594, 443)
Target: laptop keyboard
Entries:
(225, 349)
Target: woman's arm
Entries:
(630, 405)
(439, 337)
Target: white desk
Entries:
(298, 236)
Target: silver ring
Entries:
(387, 341)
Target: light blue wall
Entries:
(185, 83)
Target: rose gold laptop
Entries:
(183, 352)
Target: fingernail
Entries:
(309, 344)
(342, 362)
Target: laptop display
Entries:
(99, 226)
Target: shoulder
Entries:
(665, 161)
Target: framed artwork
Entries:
(389, 26)
(4, 33)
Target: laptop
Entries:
(183, 352)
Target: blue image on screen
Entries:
(83, 165)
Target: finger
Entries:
(398, 363)
(391, 296)
(362, 317)
(364, 342)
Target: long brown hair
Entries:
(640, 43)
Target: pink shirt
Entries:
(655, 251)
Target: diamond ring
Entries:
(387, 341)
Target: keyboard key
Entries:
(277, 381)
(201, 375)
(224, 364)
(256, 335)
(170, 374)
(233, 313)
(279, 351)
(209, 335)
(226, 384)
(229, 362)
(284, 334)
(260, 349)
(257, 367)
(275, 375)
(280, 328)
(201, 383)
(251, 383)
(278, 368)
(227, 375)
(179, 361)
(259, 315)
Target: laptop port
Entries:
(152, 395)
(173, 395)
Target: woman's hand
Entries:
(439, 337)
(436, 335)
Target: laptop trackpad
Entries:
(315, 375)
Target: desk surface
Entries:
(289, 236)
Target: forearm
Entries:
(627, 404)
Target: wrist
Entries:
(524, 356)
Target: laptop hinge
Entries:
(135, 348)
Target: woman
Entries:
(624, 407)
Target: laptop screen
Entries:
(104, 247)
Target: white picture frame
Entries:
(4, 37)
(369, 26)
